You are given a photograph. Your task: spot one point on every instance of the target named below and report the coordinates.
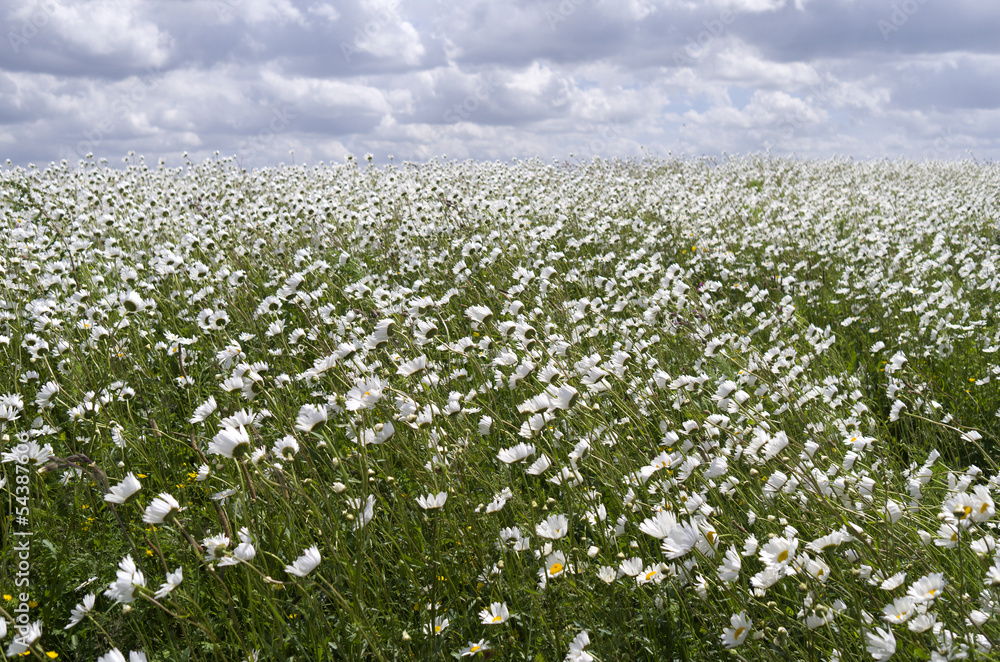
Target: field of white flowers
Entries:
(663, 410)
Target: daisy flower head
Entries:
(737, 634)
(80, 611)
(286, 447)
(517, 453)
(555, 564)
(173, 581)
(475, 647)
(899, 611)
(127, 578)
(554, 527)
(479, 314)
(928, 587)
(881, 644)
(161, 509)
(364, 394)
(29, 634)
(115, 655)
(432, 501)
(576, 652)
(440, 623)
(231, 442)
(306, 563)
(778, 551)
(310, 416)
(204, 410)
(412, 366)
(121, 492)
(495, 615)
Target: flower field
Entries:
(618, 410)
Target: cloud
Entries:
(485, 79)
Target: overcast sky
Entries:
(497, 79)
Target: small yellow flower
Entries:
(52, 655)
(7, 597)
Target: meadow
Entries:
(668, 409)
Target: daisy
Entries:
(115, 655)
(495, 615)
(121, 492)
(479, 314)
(78, 612)
(737, 634)
(892, 583)
(607, 574)
(413, 366)
(161, 509)
(983, 508)
(27, 636)
(631, 567)
(478, 647)
(499, 501)
(440, 623)
(365, 394)
(243, 552)
(927, 587)
(778, 551)
(729, 571)
(286, 447)
(127, 578)
(204, 410)
(899, 611)
(681, 540)
(432, 501)
(305, 563)
(555, 564)
(173, 581)
(230, 442)
(215, 545)
(659, 525)
(517, 453)
(539, 466)
(310, 416)
(576, 652)
(881, 644)
(554, 527)
(562, 397)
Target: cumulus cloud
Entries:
(477, 79)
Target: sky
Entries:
(305, 81)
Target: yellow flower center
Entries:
(555, 569)
(783, 556)
(739, 633)
(473, 649)
(497, 619)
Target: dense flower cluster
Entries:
(759, 396)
